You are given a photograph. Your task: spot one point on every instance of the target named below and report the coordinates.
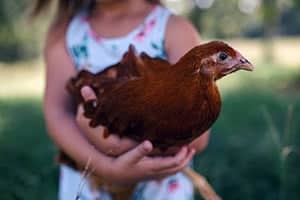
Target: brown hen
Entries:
(170, 105)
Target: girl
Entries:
(94, 34)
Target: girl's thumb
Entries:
(87, 93)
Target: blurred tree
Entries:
(297, 2)
(222, 19)
(279, 17)
(195, 16)
(243, 18)
(290, 22)
(19, 39)
(270, 13)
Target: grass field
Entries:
(254, 151)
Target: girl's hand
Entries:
(113, 145)
(135, 165)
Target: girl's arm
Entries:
(58, 110)
(60, 119)
(181, 36)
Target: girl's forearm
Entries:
(63, 130)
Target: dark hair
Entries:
(66, 9)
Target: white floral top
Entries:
(95, 53)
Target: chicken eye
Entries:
(223, 56)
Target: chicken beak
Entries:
(240, 64)
(245, 65)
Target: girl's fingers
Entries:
(179, 167)
(114, 145)
(126, 144)
(162, 163)
(87, 93)
(138, 153)
(119, 142)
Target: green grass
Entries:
(242, 161)
(27, 168)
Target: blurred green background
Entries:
(254, 151)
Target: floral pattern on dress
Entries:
(80, 53)
(145, 30)
(173, 185)
(160, 49)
